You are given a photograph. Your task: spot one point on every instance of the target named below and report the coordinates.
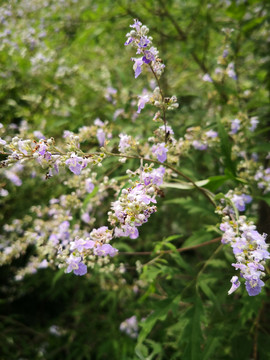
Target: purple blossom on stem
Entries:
(148, 57)
(137, 67)
(142, 101)
(211, 134)
(253, 123)
(75, 265)
(101, 136)
(235, 284)
(207, 78)
(154, 177)
(104, 250)
(124, 142)
(89, 186)
(235, 126)
(160, 151)
(240, 201)
(198, 145)
(137, 25)
(76, 164)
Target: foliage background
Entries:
(191, 316)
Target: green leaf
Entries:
(182, 185)
(226, 147)
(193, 332)
(160, 313)
(208, 292)
(89, 197)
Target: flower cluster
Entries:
(143, 43)
(96, 244)
(250, 250)
(132, 209)
(239, 199)
(130, 326)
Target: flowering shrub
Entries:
(116, 188)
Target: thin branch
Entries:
(202, 190)
(180, 250)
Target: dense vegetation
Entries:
(95, 149)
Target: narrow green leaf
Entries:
(159, 314)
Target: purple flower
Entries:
(240, 201)
(144, 41)
(207, 78)
(75, 265)
(76, 164)
(254, 286)
(101, 136)
(231, 72)
(38, 134)
(13, 178)
(81, 245)
(104, 250)
(137, 67)
(82, 269)
(211, 134)
(89, 186)
(130, 326)
(129, 41)
(225, 53)
(148, 56)
(160, 151)
(142, 101)
(235, 284)
(169, 129)
(198, 145)
(154, 177)
(97, 121)
(124, 142)
(253, 122)
(137, 25)
(2, 142)
(235, 126)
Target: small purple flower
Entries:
(104, 250)
(240, 201)
(124, 142)
(154, 177)
(76, 164)
(235, 284)
(148, 56)
(231, 72)
(137, 25)
(253, 122)
(142, 101)
(129, 41)
(97, 121)
(101, 136)
(254, 286)
(2, 142)
(130, 326)
(235, 126)
(144, 41)
(82, 269)
(74, 264)
(137, 67)
(207, 78)
(198, 145)
(211, 134)
(38, 134)
(225, 53)
(42, 148)
(89, 186)
(160, 151)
